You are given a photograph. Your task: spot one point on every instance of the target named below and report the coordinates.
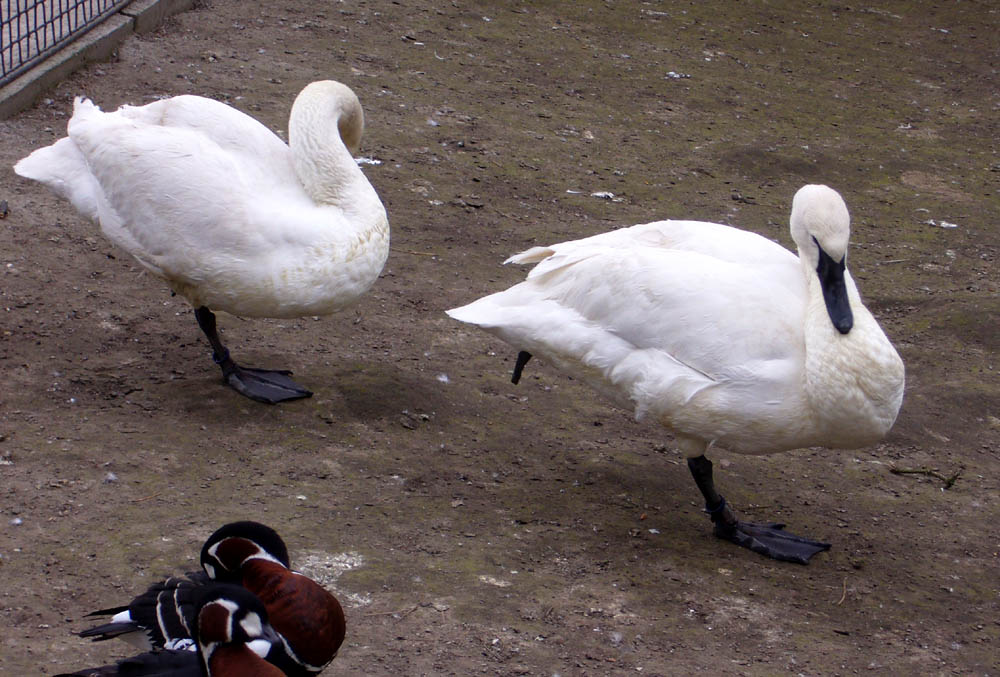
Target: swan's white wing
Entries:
(244, 138)
(712, 239)
(174, 198)
(209, 199)
(657, 327)
(264, 159)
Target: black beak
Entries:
(831, 278)
(270, 634)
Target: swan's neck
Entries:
(323, 131)
(853, 381)
(826, 348)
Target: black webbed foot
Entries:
(262, 385)
(766, 539)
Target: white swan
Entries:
(233, 219)
(719, 334)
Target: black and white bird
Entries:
(232, 637)
(309, 619)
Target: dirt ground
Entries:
(471, 526)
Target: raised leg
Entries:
(522, 359)
(767, 539)
(263, 385)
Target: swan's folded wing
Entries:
(659, 325)
(233, 130)
(167, 195)
(710, 239)
(706, 312)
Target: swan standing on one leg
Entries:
(233, 219)
(720, 335)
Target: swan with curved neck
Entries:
(720, 335)
(231, 217)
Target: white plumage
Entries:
(213, 202)
(719, 334)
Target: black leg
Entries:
(701, 471)
(522, 359)
(263, 385)
(206, 320)
(767, 539)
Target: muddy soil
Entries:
(471, 526)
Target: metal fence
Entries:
(31, 30)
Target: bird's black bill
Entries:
(831, 279)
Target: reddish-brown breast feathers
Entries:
(237, 659)
(309, 617)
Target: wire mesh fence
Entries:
(30, 30)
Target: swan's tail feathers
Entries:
(37, 166)
(62, 168)
(533, 255)
(487, 312)
(466, 314)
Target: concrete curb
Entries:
(98, 44)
